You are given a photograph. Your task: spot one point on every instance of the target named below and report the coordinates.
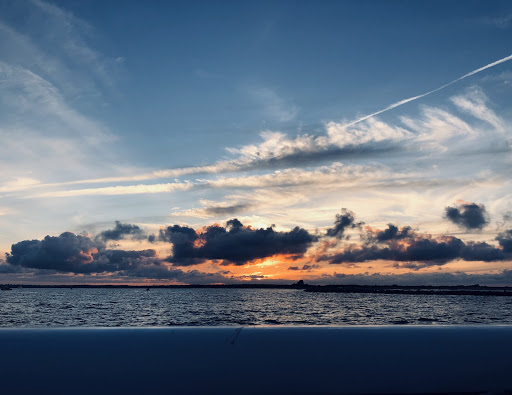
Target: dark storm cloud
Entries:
(123, 259)
(184, 253)
(343, 221)
(394, 233)
(67, 252)
(468, 215)
(6, 268)
(505, 240)
(415, 250)
(233, 244)
(74, 254)
(78, 254)
(120, 231)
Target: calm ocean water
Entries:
(212, 307)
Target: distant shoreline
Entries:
(475, 290)
(478, 290)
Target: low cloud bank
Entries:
(237, 244)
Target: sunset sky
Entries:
(165, 142)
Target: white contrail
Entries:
(402, 102)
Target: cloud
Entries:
(6, 268)
(57, 45)
(501, 22)
(370, 139)
(341, 141)
(475, 103)
(436, 125)
(240, 245)
(43, 135)
(276, 151)
(308, 157)
(304, 267)
(120, 231)
(394, 233)
(343, 221)
(335, 174)
(364, 139)
(468, 215)
(416, 250)
(233, 243)
(214, 209)
(229, 209)
(119, 190)
(27, 92)
(505, 240)
(49, 71)
(74, 254)
(162, 272)
(78, 254)
(372, 131)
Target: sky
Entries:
(202, 142)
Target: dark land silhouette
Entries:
(476, 289)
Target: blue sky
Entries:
(194, 113)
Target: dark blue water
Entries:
(212, 307)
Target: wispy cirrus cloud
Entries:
(23, 92)
(335, 174)
(119, 190)
(58, 46)
(48, 70)
(475, 103)
(435, 126)
(501, 22)
(279, 151)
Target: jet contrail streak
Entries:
(410, 99)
